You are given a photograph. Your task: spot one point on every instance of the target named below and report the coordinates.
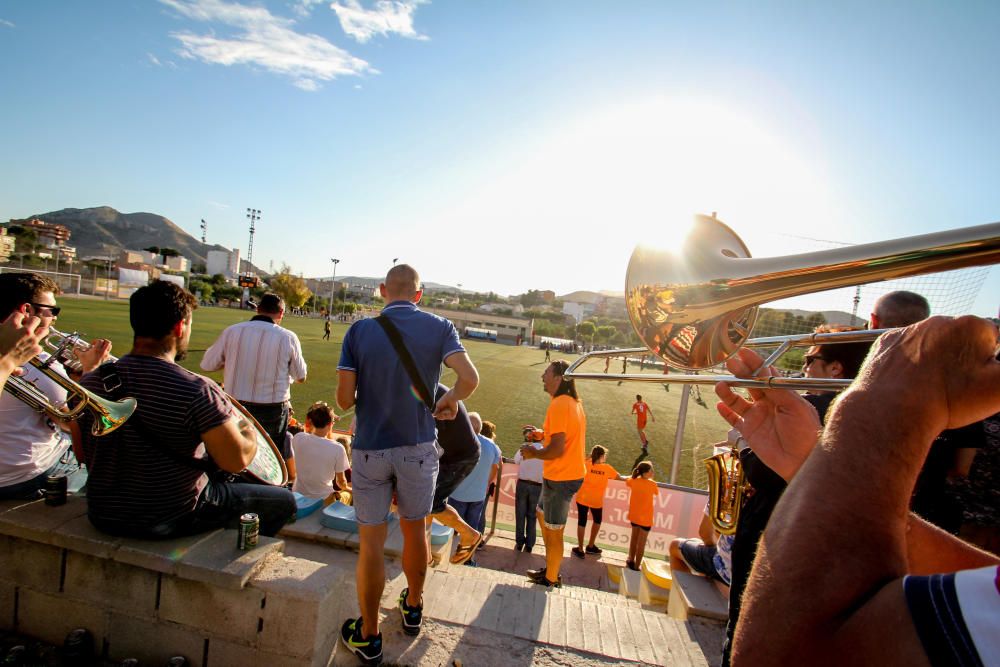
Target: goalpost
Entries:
(69, 283)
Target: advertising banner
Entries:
(677, 513)
(129, 280)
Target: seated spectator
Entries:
(323, 461)
(883, 603)
(709, 556)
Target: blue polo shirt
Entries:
(474, 487)
(389, 411)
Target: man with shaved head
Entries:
(899, 309)
(394, 445)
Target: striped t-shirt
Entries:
(957, 616)
(132, 482)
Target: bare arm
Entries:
(467, 379)
(555, 448)
(341, 480)
(931, 550)
(851, 496)
(95, 355)
(290, 465)
(232, 445)
(347, 385)
(706, 531)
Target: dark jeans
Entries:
(525, 523)
(220, 505)
(470, 512)
(33, 489)
(273, 418)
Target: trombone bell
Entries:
(696, 307)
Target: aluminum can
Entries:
(55, 490)
(249, 531)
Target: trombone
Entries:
(694, 308)
(108, 415)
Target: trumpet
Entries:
(108, 415)
(695, 308)
(64, 345)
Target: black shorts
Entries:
(645, 528)
(450, 475)
(581, 514)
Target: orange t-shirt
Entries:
(640, 502)
(595, 483)
(565, 415)
(641, 411)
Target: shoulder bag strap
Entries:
(404, 355)
(116, 389)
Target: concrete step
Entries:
(572, 617)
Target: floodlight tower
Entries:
(204, 231)
(253, 214)
(329, 310)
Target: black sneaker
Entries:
(544, 581)
(578, 552)
(593, 549)
(369, 650)
(412, 616)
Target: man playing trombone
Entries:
(33, 442)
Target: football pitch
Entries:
(510, 392)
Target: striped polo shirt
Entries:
(134, 482)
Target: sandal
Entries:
(464, 553)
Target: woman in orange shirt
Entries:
(640, 511)
(590, 498)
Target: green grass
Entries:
(510, 393)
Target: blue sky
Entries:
(505, 145)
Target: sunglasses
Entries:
(809, 358)
(53, 310)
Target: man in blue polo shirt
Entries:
(394, 445)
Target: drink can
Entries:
(249, 531)
(55, 490)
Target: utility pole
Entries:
(329, 310)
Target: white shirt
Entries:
(260, 358)
(529, 469)
(317, 462)
(31, 442)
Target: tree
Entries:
(170, 252)
(290, 287)
(205, 288)
(605, 332)
(586, 329)
(153, 249)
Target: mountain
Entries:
(103, 230)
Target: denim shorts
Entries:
(450, 475)
(555, 499)
(700, 557)
(411, 471)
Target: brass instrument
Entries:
(696, 306)
(108, 415)
(63, 346)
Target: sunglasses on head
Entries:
(53, 310)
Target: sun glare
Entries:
(636, 173)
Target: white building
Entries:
(224, 262)
(182, 264)
(577, 310)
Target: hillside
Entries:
(103, 230)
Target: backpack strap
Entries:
(404, 355)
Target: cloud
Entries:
(7, 24)
(153, 59)
(218, 205)
(385, 18)
(263, 40)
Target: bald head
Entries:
(899, 309)
(402, 283)
(477, 422)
